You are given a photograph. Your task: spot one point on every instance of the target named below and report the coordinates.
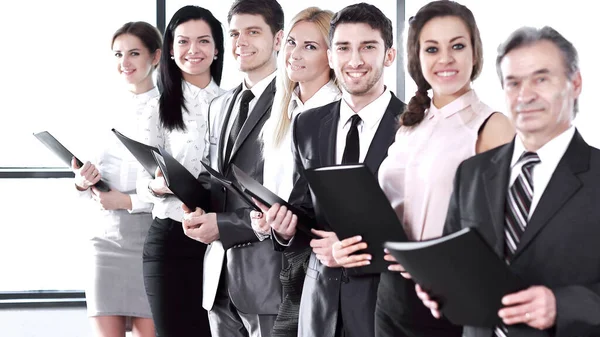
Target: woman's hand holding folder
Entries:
(86, 175)
(158, 185)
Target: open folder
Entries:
(230, 186)
(141, 152)
(268, 198)
(65, 155)
(354, 204)
(181, 182)
(462, 272)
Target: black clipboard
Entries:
(462, 272)
(354, 204)
(268, 198)
(181, 182)
(141, 152)
(230, 186)
(65, 155)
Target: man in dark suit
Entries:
(535, 200)
(358, 128)
(242, 291)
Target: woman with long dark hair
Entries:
(190, 73)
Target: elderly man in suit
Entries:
(359, 128)
(242, 291)
(535, 200)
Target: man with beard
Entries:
(359, 128)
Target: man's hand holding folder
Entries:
(534, 306)
(283, 222)
(199, 225)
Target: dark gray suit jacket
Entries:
(252, 266)
(559, 248)
(314, 139)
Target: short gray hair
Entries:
(526, 36)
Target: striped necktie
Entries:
(516, 214)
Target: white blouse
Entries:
(189, 147)
(117, 166)
(279, 163)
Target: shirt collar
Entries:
(549, 153)
(467, 99)
(145, 96)
(207, 94)
(260, 86)
(326, 94)
(371, 114)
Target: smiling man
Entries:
(242, 291)
(359, 128)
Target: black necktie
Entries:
(352, 150)
(247, 96)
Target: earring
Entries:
(215, 58)
(172, 57)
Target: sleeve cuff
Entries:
(139, 206)
(280, 240)
(261, 236)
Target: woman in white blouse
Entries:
(190, 73)
(116, 300)
(304, 81)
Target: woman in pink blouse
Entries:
(437, 133)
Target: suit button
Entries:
(223, 189)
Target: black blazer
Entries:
(559, 248)
(252, 266)
(314, 139)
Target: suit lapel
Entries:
(495, 181)
(384, 137)
(561, 187)
(261, 108)
(223, 136)
(328, 136)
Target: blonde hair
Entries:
(278, 124)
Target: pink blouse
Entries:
(418, 173)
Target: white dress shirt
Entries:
(257, 91)
(550, 154)
(370, 117)
(188, 147)
(279, 162)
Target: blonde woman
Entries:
(304, 81)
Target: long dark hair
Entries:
(415, 109)
(171, 102)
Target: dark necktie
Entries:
(516, 213)
(247, 96)
(352, 149)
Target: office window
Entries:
(573, 19)
(58, 75)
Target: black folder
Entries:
(141, 152)
(268, 198)
(462, 272)
(65, 155)
(230, 186)
(181, 182)
(354, 204)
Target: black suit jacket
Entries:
(559, 248)
(314, 139)
(252, 266)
